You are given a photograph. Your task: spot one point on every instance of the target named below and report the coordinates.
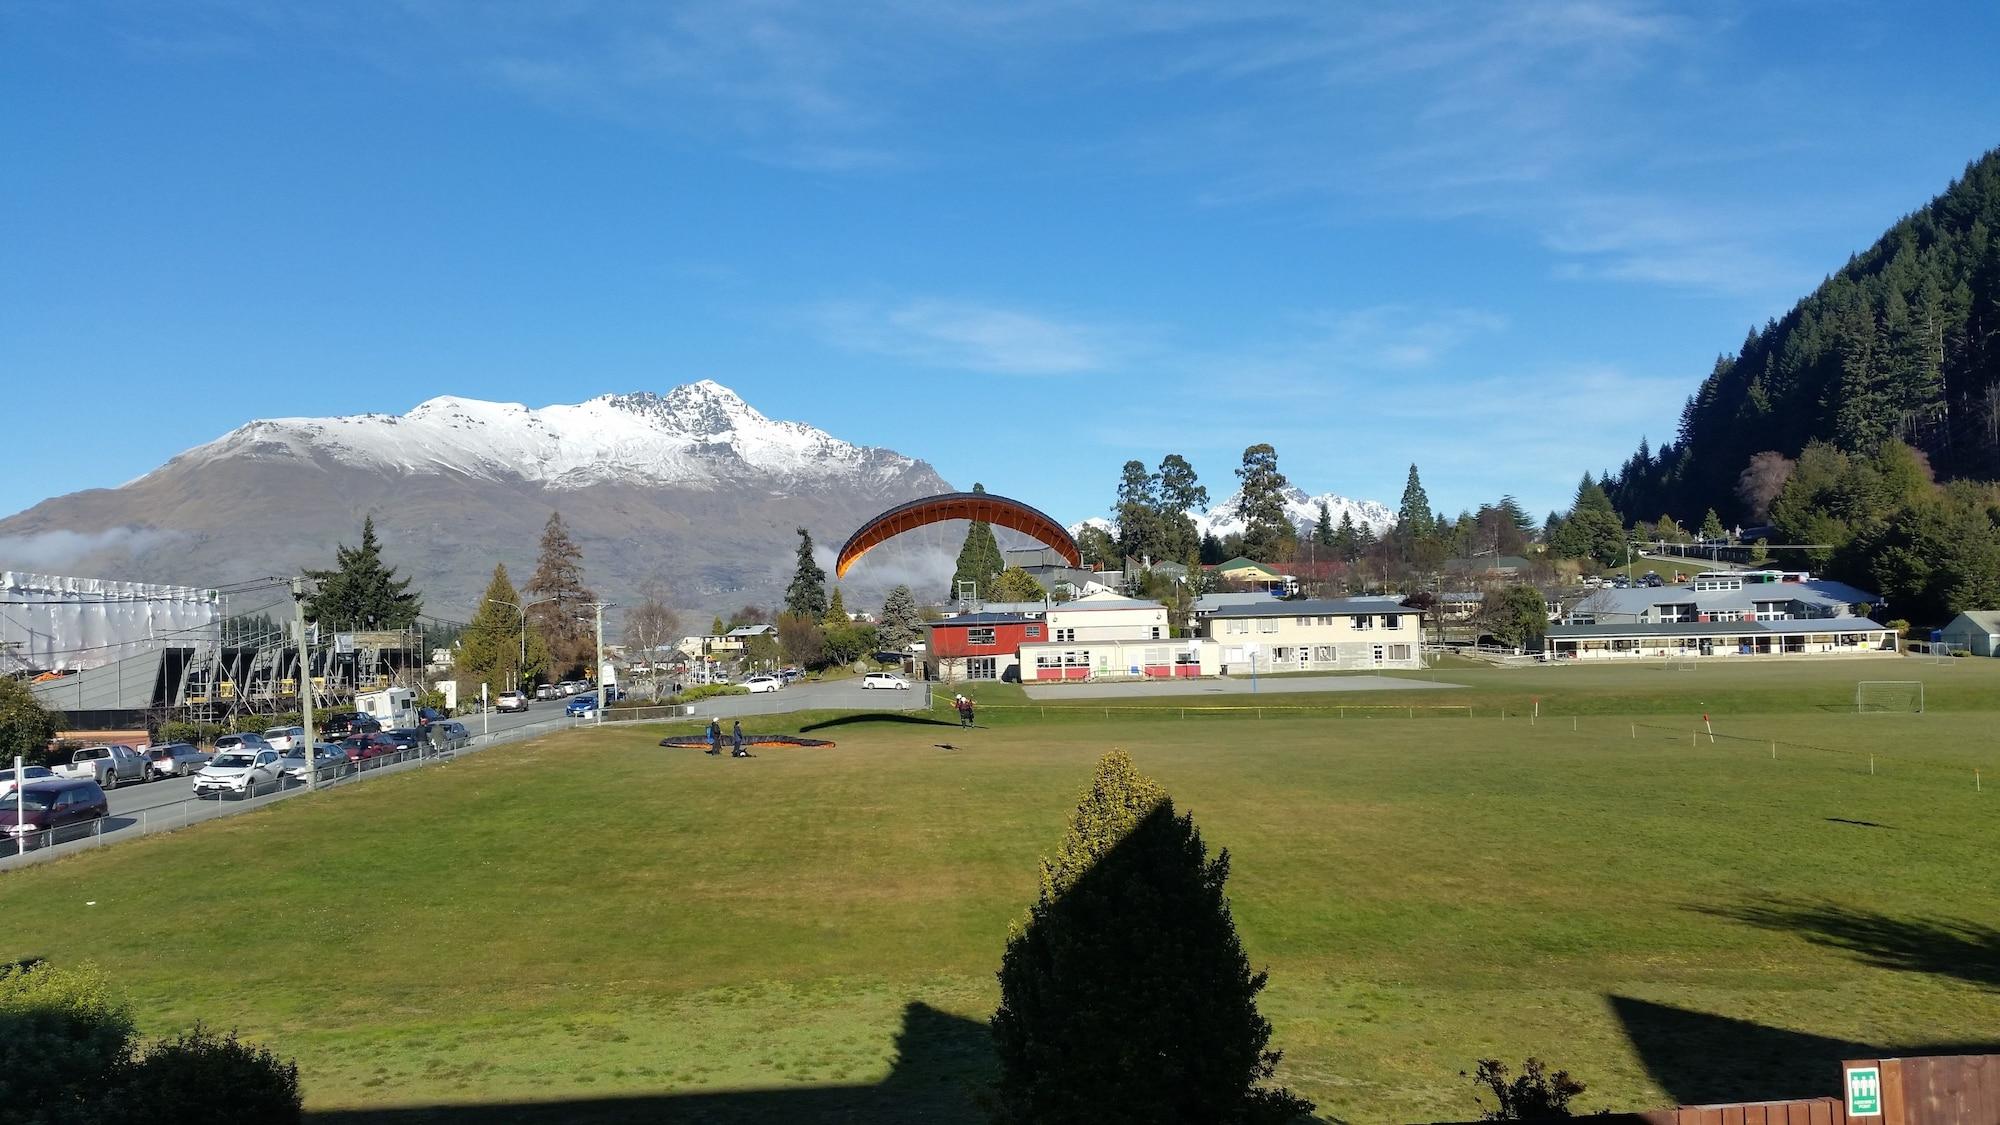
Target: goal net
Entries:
(1877, 697)
(1683, 662)
(1942, 652)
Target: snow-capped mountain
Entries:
(1226, 518)
(692, 486)
(700, 434)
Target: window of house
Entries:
(1236, 626)
(1267, 624)
(1304, 622)
(980, 636)
(1389, 620)
(1364, 621)
(1399, 652)
(1156, 632)
(981, 668)
(1066, 636)
(1034, 632)
(1323, 653)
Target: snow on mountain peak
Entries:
(1225, 517)
(697, 434)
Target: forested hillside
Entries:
(1902, 343)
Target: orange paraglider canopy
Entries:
(981, 506)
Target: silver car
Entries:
(173, 759)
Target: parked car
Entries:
(340, 724)
(245, 741)
(331, 761)
(44, 808)
(758, 685)
(283, 739)
(361, 747)
(241, 772)
(881, 680)
(581, 705)
(108, 766)
(791, 675)
(30, 773)
(547, 692)
(428, 715)
(405, 738)
(571, 687)
(174, 759)
(511, 701)
(449, 735)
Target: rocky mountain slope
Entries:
(693, 485)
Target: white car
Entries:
(758, 685)
(884, 680)
(30, 773)
(239, 772)
(282, 739)
(511, 701)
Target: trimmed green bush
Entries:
(232, 1082)
(63, 1034)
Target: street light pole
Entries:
(305, 684)
(603, 697)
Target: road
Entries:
(1232, 685)
(834, 695)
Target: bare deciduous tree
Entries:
(651, 626)
(1761, 481)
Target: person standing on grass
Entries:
(736, 739)
(715, 736)
(968, 712)
(958, 705)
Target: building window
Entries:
(1364, 621)
(1066, 636)
(1034, 632)
(1378, 654)
(1399, 652)
(1389, 620)
(980, 638)
(1267, 624)
(1235, 626)
(982, 668)
(1156, 632)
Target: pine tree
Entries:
(902, 622)
(836, 610)
(1268, 534)
(1137, 512)
(565, 601)
(490, 648)
(1346, 540)
(806, 596)
(1016, 585)
(1180, 493)
(979, 559)
(1711, 526)
(359, 593)
(715, 628)
(1323, 532)
(1414, 520)
(1127, 996)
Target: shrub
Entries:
(198, 734)
(230, 1081)
(1536, 1095)
(25, 725)
(62, 1035)
(1126, 996)
(708, 691)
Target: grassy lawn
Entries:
(643, 934)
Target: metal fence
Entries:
(42, 846)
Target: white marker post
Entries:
(20, 805)
(485, 713)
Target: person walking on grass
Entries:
(715, 736)
(969, 720)
(958, 704)
(736, 740)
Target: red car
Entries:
(362, 747)
(49, 807)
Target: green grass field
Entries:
(626, 933)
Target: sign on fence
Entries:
(1864, 1091)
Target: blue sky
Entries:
(1025, 241)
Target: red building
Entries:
(979, 646)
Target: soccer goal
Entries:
(1681, 662)
(1882, 697)
(1943, 652)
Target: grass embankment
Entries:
(811, 935)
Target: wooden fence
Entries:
(1937, 1090)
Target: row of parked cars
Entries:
(43, 801)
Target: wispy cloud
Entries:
(972, 336)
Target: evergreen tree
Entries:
(1179, 493)
(1323, 530)
(26, 728)
(490, 648)
(902, 622)
(1127, 996)
(1268, 534)
(1137, 512)
(1346, 539)
(1097, 548)
(1414, 520)
(715, 628)
(1211, 550)
(564, 608)
(806, 596)
(1711, 526)
(360, 593)
(979, 559)
(836, 610)
(1592, 529)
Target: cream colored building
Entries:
(1107, 636)
(1333, 634)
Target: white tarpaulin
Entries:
(52, 623)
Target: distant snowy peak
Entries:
(1226, 518)
(698, 434)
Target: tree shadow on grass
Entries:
(1969, 951)
(877, 717)
(1702, 1059)
(943, 1065)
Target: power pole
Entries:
(603, 694)
(305, 683)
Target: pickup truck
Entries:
(108, 766)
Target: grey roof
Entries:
(751, 630)
(1637, 600)
(1986, 619)
(1209, 603)
(1106, 601)
(985, 619)
(1715, 628)
(1313, 607)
